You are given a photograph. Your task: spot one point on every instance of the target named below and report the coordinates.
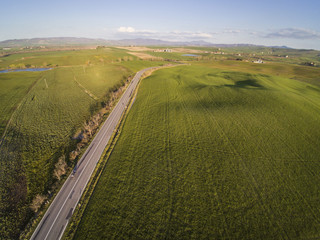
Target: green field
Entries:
(64, 58)
(13, 87)
(209, 153)
(42, 112)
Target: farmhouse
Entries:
(163, 50)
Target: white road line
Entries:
(106, 127)
(88, 161)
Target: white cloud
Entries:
(130, 32)
(126, 29)
(202, 35)
(233, 31)
(295, 33)
(286, 36)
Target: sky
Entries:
(292, 23)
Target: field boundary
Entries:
(85, 90)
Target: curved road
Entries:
(56, 219)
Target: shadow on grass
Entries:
(249, 84)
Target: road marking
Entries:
(112, 120)
(101, 134)
(70, 213)
(45, 219)
(62, 228)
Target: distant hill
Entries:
(73, 41)
(157, 42)
(54, 41)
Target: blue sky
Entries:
(274, 22)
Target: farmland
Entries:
(12, 92)
(42, 117)
(215, 150)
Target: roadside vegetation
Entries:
(210, 151)
(46, 117)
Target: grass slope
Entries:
(212, 154)
(13, 87)
(301, 73)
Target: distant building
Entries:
(6, 48)
(163, 50)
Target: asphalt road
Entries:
(56, 219)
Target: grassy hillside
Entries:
(302, 73)
(212, 154)
(45, 110)
(13, 87)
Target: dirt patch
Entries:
(146, 56)
(37, 202)
(60, 167)
(137, 49)
(186, 50)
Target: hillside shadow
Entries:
(248, 84)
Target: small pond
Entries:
(25, 70)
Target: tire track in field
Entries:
(287, 183)
(199, 152)
(253, 181)
(284, 142)
(285, 179)
(18, 106)
(291, 187)
(195, 130)
(246, 132)
(131, 178)
(9, 150)
(170, 181)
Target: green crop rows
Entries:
(212, 154)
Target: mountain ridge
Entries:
(81, 41)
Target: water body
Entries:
(25, 70)
(190, 55)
